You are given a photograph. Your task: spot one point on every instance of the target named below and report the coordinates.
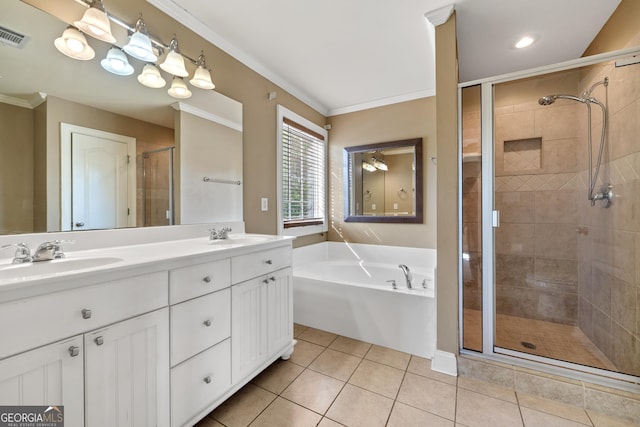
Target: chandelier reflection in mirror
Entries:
(96, 22)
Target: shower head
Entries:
(550, 99)
(547, 100)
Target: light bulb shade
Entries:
(150, 77)
(202, 79)
(368, 167)
(95, 23)
(73, 44)
(116, 62)
(174, 64)
(379, 164)
(179, 89)
(139, 47)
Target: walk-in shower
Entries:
(605, 195)
(157, 189)
(545, 277)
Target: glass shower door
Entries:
(158, 187)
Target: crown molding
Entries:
(439, 16)
(182, 106)
(382, 102)
(31, 102)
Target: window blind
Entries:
(303, 175)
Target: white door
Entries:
(99, 182)
(127, 373)
(49, 375)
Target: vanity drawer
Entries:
(199, 323)
(32, 322)
(245, 267)
(190, 282)
(198, 382)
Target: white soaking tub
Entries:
(347, 289)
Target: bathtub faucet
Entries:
(407, 274)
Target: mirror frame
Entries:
(416, 143)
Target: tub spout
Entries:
(407, 274)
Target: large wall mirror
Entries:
(383, 182)
(42, 90)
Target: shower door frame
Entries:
(490, 219)
(171, 217)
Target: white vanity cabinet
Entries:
(262, 310)
(115, 368)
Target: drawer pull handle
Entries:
(99, 340)
(206, 279)
(86, 313)
(269, 262)
(272, 278)
(207, 323)
(207, 379)
(74, 351)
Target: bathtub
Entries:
(348, 289)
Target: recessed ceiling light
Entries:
(524, 42)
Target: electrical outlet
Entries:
(395, 206)
(264, 204)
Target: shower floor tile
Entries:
(547, 339)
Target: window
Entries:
(302, 182)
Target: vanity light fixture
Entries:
(116, 62)
(139, 45)
(179, 88)
(379, 164)
(174, 62)
(95, 22)
(202, 77)
(368, 167)
(73, 44)
(150, 77)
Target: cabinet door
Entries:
(49, 375)
(127, 373)
(248, 327)
(280, 310)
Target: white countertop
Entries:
(118, 262)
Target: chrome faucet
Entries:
(22, 255)
(48, 251)
(407, 274)
(221, 234)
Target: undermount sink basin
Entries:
(239, 240)
(56, 266)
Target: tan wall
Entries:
(413, 119)
(447, 188)
(621, 27)
(16, 169)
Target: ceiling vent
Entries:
(11, 38)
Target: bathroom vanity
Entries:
(154, 334)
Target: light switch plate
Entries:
(264, 204)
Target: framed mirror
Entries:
(383, 182)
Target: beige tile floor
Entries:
(553, 340)
(333, 381)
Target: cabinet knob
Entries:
(79, 224)
(86, 313)
(207, 379)
(74, 351)
(269, 262)
(99, 340)
(206, 279)
(207, 323)
(272, 278)
(265, 281)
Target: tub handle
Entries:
(393, 283)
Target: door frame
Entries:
(66, 131)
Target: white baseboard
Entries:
(445, 363)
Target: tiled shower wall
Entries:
(535, 192)
(609, 239)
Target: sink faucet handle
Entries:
(22, 254)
